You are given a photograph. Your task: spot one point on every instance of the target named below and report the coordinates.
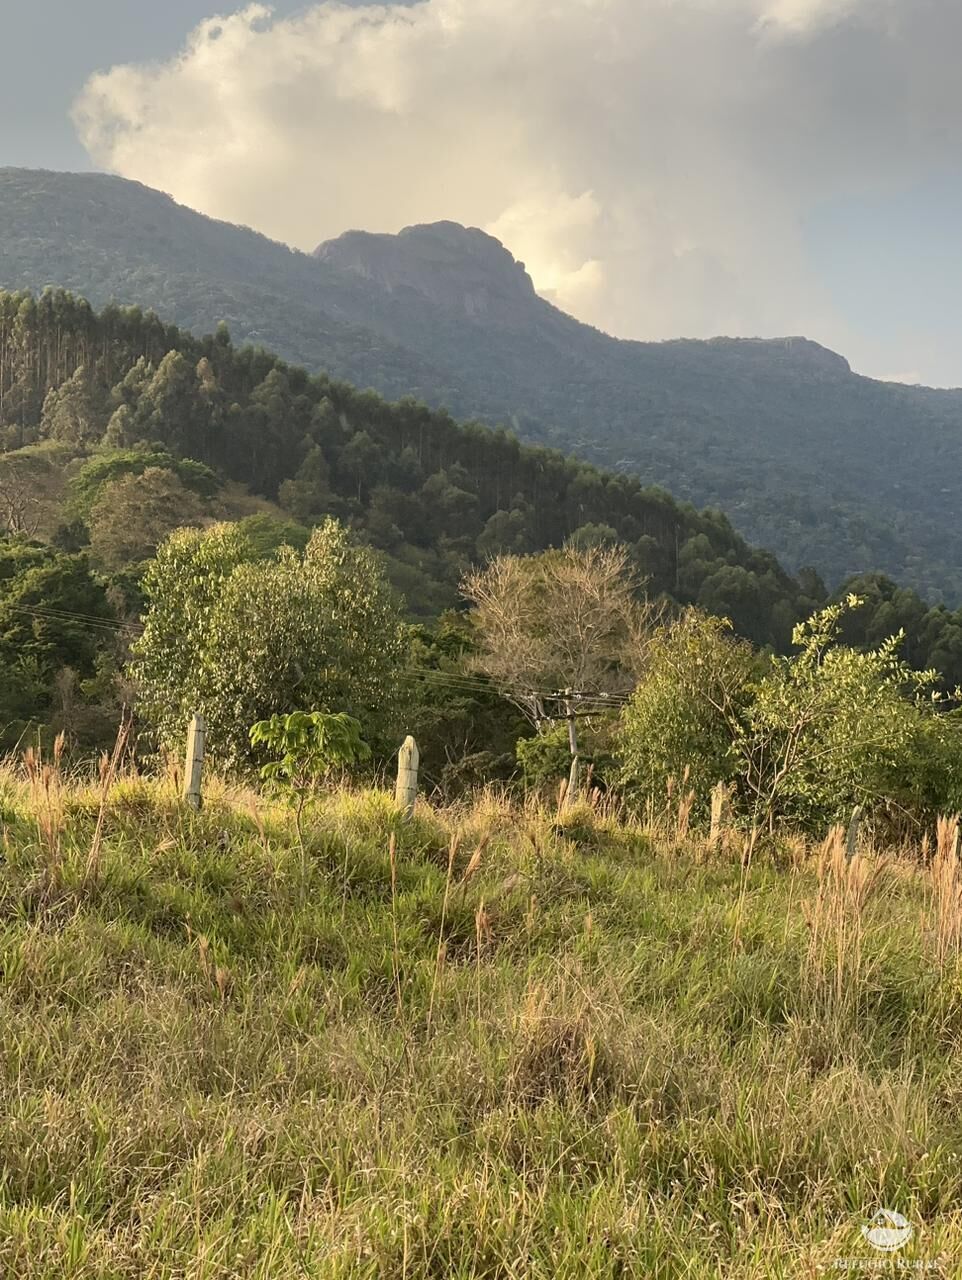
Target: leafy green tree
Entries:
(74, 411)
(831, 727)
(108, 465)
(593, 535)
(451, 504)
(308, 495)
(307, 746)
(504, 533)
(53, 615)
(360, 459)
(273, 425)
(545, 759)
(804, 738)
(466, 730)
(684, 717)
(240, 639)
(182, 586)
(268, 533)
(171, 408)
(134, 514)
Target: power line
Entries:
(64, 615)
(465, 679)
(586, 703)
(462, 681)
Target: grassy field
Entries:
(487, 1043)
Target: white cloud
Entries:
(552, 235)
(805, 15)
(912, 379)
(653, 161)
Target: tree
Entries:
(466, 731)
(134, 514)
(562, 629)
(505, 533)
(360, 460)
(684, 718)
(239, 639)
(73, 412)
(108, 465)
(831, 727)
(170, 407)
(54, 615)
(31, 487)
(307, 745)
(308, 496)
(804, 738)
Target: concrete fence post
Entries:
(406, 792)
(194, 767)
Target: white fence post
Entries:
(406, 792)
(720, 802)
(194, 768)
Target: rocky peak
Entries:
(459, 268)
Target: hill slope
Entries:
(109, 390)
(223, 1058)
(819, 464)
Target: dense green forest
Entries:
(119, 392)
(822, 466)
(118, 428)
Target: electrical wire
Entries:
(585, 702)
(63, 615)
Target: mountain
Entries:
(454, 267)
(823, 466)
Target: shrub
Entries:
(804, 738)
(239, 638)
(831, 727)
(307, 746)
(686, 711)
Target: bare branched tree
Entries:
(567, 627)
(29, 488)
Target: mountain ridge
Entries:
(385, 258)
(818, 463)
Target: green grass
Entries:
(598, 1056)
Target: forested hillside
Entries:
(823, 466)
(97, 397)
(118, 429)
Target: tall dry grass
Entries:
(45, 788)
(946, 883)
(492, 1043)
(836, 918)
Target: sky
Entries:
(663, 167)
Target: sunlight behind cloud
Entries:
(652, 163)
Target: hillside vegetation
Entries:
(432, 493)
(488, 1043)
(119, 429)
(823, 467)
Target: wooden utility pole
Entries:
(194, 767)
(571, 795)
(406, 792)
